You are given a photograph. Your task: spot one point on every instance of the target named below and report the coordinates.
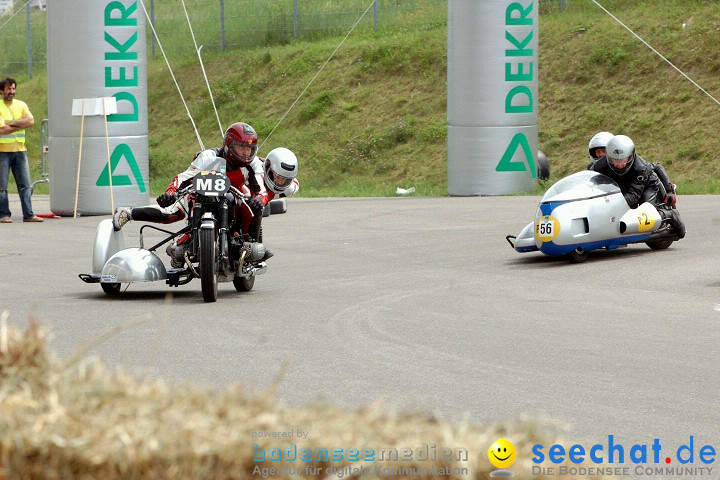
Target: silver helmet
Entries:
(281, 167)
(599, 141)
(620, 154)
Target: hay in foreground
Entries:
(82, 421)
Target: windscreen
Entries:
(585, 184)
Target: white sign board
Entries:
(94, 106)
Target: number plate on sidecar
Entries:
(547, 228)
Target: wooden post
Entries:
(107, 144)
(77, 181)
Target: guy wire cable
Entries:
(318, 73)
(656, 52)
(197, 134)
(202, 66)
(14, 14)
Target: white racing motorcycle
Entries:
(587, 211)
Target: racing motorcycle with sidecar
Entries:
(211, 246)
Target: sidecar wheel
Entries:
(659, 244)
(208, 265)
(278, 205)
(579, 255)
(244, 284)
(111, 288)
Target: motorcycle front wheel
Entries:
(208, 264)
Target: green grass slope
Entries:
(594, 75)
(375, 116)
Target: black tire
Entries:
(208, 264)
(267, 210)
(659, 244)
(111, 288)
(579, 255)
(244, 284)
(279, 205)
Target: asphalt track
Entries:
(422, 302)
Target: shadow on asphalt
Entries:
(159, 297)
(537, 259)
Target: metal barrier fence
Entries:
(223, 24)
(228, 24)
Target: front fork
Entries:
(223, 232)
(221, 224)
(196, 218)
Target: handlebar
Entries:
(235, 193)
(181, 193)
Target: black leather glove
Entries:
(166, 199)
(255, 204)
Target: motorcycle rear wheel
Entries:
(208, 264)
(659, 244)
(244, 284)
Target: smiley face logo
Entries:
(502, 453)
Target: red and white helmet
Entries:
(238, 137)
(281, 167)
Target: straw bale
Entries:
(80, 420)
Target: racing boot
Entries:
(673, 218)
(267, 255)
(176, 253)
(122, 216)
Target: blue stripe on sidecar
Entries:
(549, 248)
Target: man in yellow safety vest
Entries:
(15, 117)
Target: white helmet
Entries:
(281, 166)
(620, 154)
(598, 141)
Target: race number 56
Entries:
(547, 228)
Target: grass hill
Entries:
(375, 116)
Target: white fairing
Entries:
(588, 220)
(594, 210)
(645, 217)
(525, 240)
(581, 185)
(206, 160)
(107, 243)
(133, 265)
(586, 210)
